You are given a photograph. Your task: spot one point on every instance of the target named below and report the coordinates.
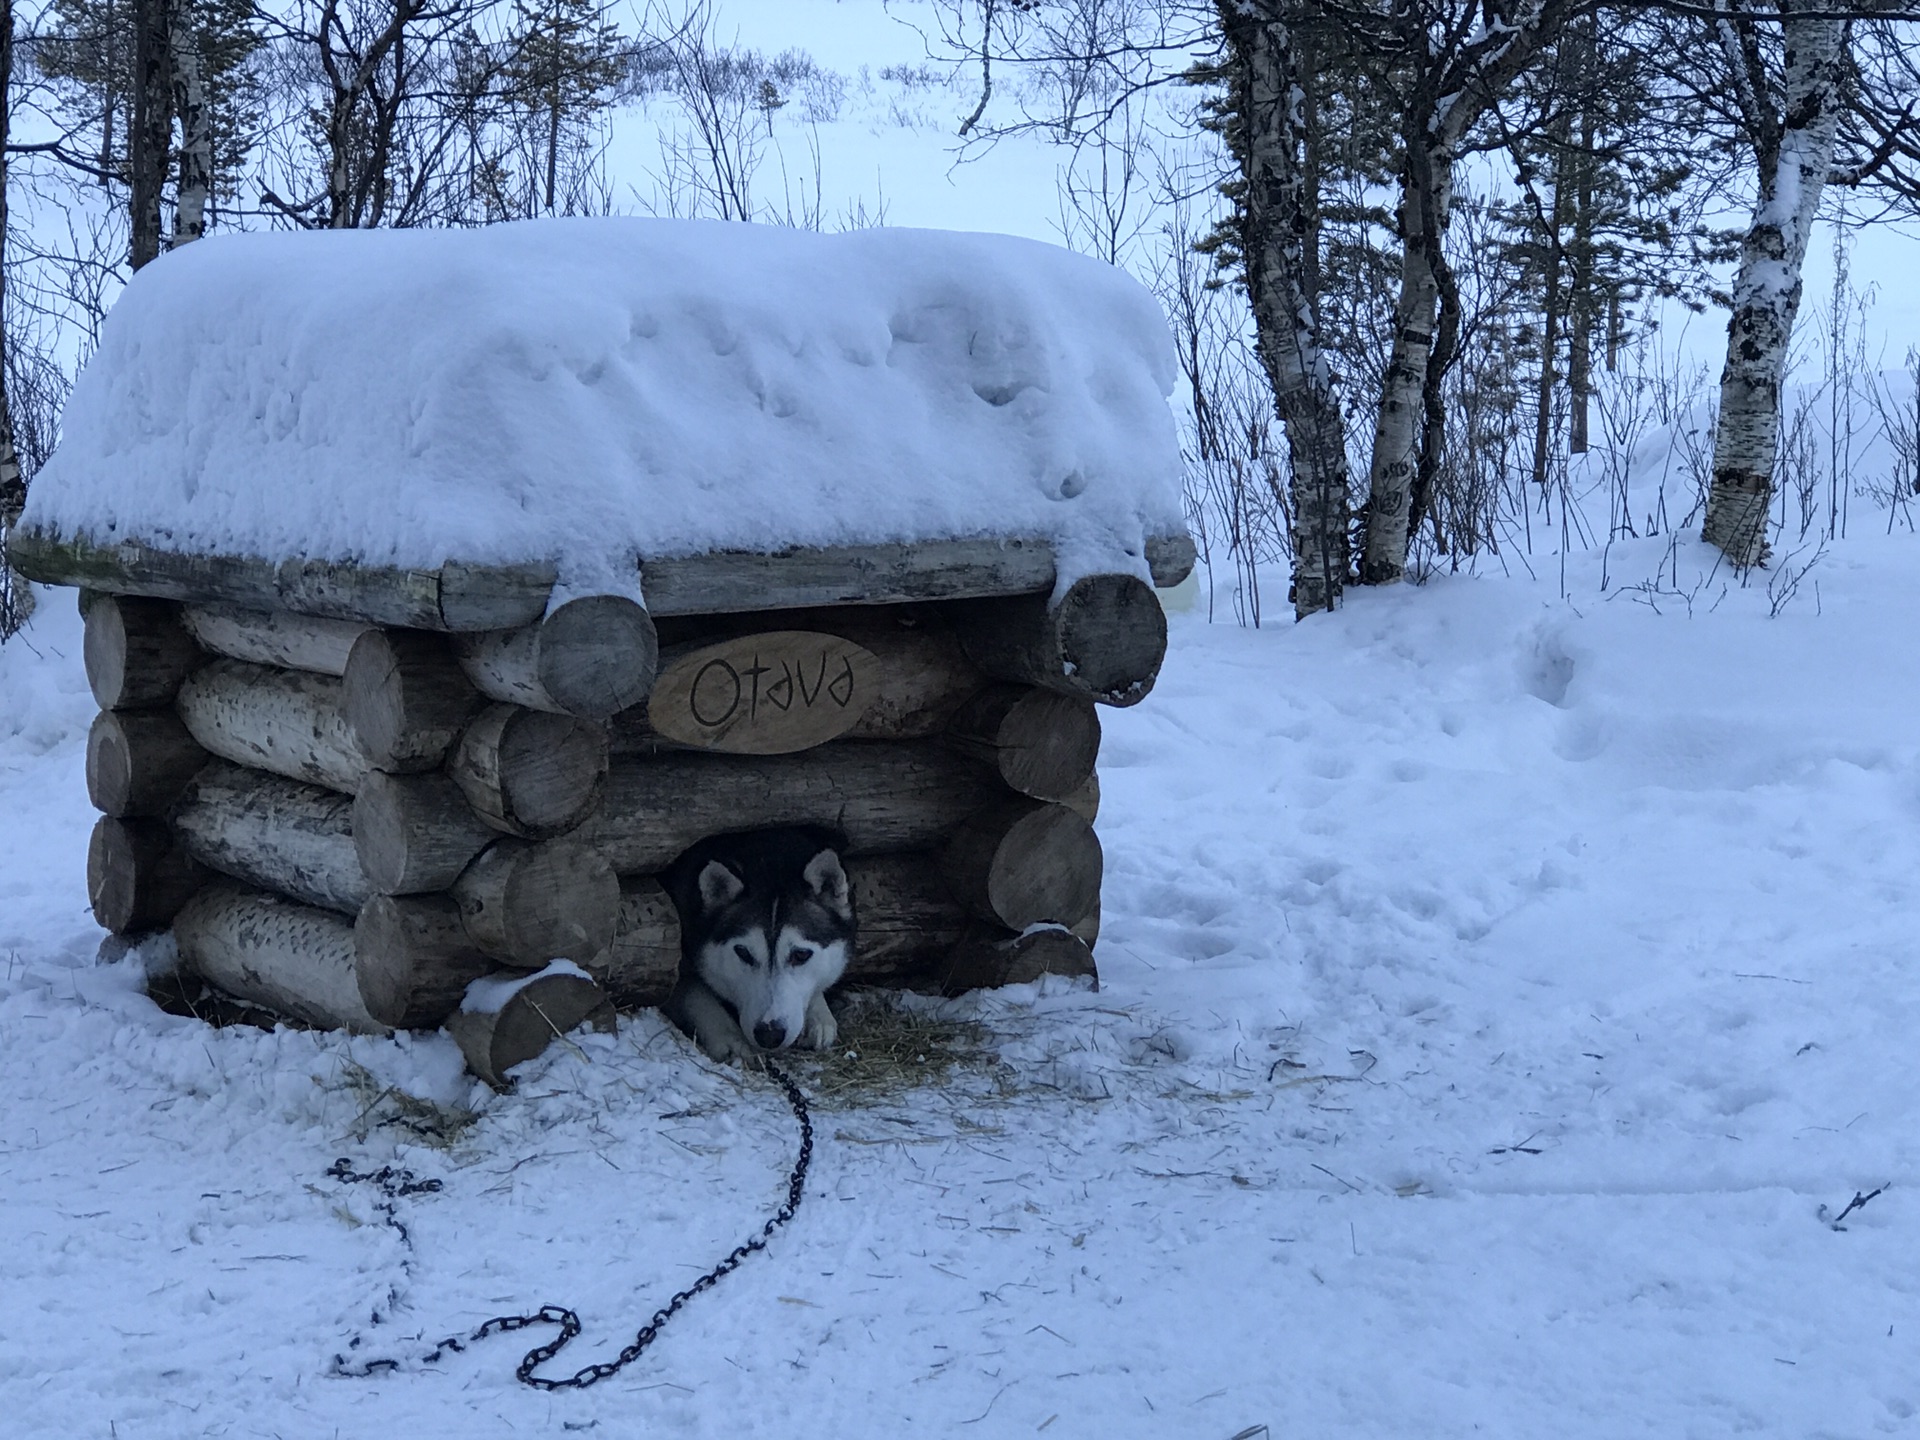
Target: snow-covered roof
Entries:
(592, 391)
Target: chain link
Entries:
(394, 1183)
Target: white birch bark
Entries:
(196, 131)
(1274, 238)
(1460, 88)
(1398, 426)
(1766, 290)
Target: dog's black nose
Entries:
(769, 1034)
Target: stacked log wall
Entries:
(276, 781)
(467, 801)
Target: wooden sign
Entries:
(767, 694)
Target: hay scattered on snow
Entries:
(894, 1043)
(383, 1106)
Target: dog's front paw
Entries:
(821, 1029)
(698, 1011)
(726, 1046)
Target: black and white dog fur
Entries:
(766, 929)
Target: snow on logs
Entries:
(354, 794)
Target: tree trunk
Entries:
(1426, 196)
(553, 148)
(1581, 306)
(1766, 291)
(196, 131)
(16, 596)
(1275, 230)
(1552, 309)
(1453, 88)
(152, 125)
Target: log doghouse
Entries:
(349, 802)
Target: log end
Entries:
(136, 652)
(405, 698)
(598, 655)
(138, 875)
(412, 960)
(414, 833)
(527, 905)
(139, 762)
(987, 960)
(502, 1024)
(1043, 743)
(1022, 863)
(1103, 641)
(1113, 636)
(550, 768)
(1171, 558)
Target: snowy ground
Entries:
(1496, 988)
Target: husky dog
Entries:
(766, 928)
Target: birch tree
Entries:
(1261, 119)
(567, 59)
(194, 185)
(1791, 123)
(1457, 62)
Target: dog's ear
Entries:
(718, 885)
(828, 882)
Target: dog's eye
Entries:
(799, 955)
(746, 954)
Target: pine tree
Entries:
(566, 60)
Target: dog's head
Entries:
(774, 931)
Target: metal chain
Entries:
(567, 1320)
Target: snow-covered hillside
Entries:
(1497, 987)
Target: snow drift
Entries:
(591, 390)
